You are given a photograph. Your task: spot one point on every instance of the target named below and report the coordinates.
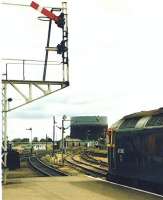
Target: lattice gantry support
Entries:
(4, 131)
(65, 39)
(28, 94)
(40, 86)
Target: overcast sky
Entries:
(115, 53)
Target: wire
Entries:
(33, 63)
(26, 60)
(12, 4)
(26, 5)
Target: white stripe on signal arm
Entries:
(39, 8)
(44, 11)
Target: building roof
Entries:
(89, 120)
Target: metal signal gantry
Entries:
(29, 88)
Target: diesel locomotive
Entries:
(135, 150)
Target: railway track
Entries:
(97, 165)
(87, 168)
(101, 173)
(85, 156)
(43, 168)
(76, 162)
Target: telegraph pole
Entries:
(30, 129)
(53, 134)
(63, 131)
(46, 143)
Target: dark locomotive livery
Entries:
(135, 150)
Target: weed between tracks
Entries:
(26, 172)
(56, 162)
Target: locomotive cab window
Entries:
(156, 120)
(129, 123)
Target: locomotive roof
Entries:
(145, 113)
(143, 119)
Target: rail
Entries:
(85, 167)
(89, 158)
(43, 168)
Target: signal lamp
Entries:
(60, 21)
(61, 48)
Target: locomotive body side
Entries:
(135, 151)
